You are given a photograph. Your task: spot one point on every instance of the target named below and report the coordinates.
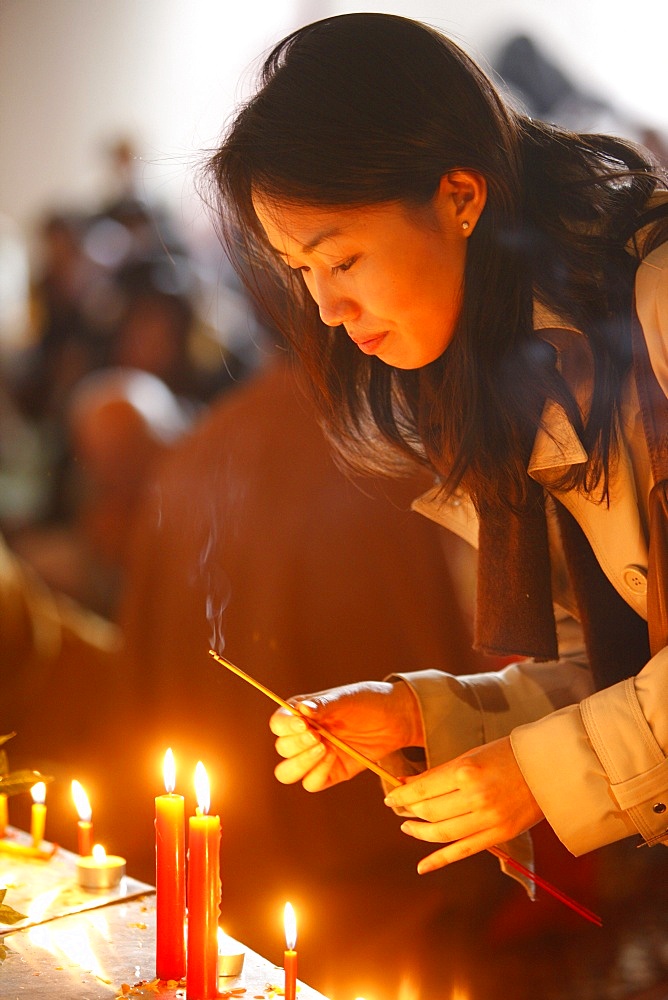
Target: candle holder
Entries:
(99, 871)
(230, 965)
(230, 956)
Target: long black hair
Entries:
(363, 109)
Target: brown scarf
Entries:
(515, 616)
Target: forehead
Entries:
(290, 226)
(294, 228)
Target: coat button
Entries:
(659, 807)
(635, 578)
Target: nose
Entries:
(335, 309)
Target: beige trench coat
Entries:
(596, 762)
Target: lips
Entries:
(369, 343)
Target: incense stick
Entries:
(544, 884)
(330, 737)
(395, 782)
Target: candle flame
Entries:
(202, 790)
(38, 792)
(169, 771)
(99, 853)
(290, 924)
(81, 802)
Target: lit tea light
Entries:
(38, 813)
(230, 955)
(85, 825)
(100, 870)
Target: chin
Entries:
(411, 363)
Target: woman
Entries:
(459, 281)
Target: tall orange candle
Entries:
(38, 813)
(170, 878)
(203, 895)
(85, 824)
(290, 953)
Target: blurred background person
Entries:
(114, 289)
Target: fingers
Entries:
(470, 804)
(306, 756)
(417, 791)
(463, 837)
(295, 745)
(284, 723)
(358, 714)
(455, 852)
(443, 832)
(308, 766)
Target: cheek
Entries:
(388, 295)
(307, 280)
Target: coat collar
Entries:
(556, 444)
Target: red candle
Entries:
(170, 878)
(203, 895)
(84, 826)
(290, 954)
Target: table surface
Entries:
(75, 945)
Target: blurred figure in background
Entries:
(548, 92)
(121, 421)
(116, 289)
(160, 331)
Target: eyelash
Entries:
(338, 269)
(345, 266)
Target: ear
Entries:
(462, 195)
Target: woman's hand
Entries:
(473, 802)
(374, 717)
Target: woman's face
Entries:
(391, 274)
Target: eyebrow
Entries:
(326, 234)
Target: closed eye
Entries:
(345, 266)
(337, 269)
